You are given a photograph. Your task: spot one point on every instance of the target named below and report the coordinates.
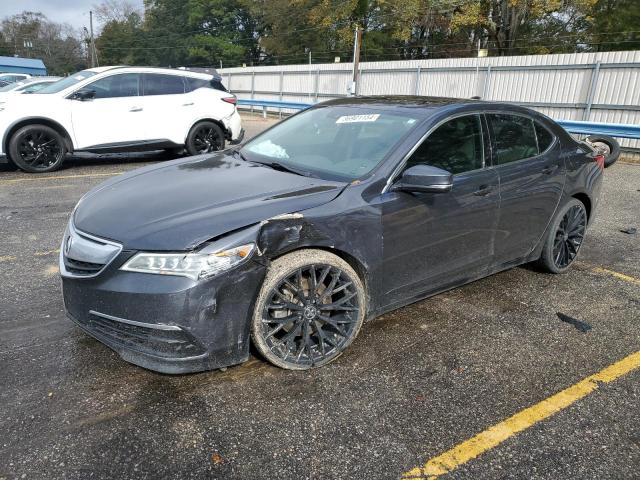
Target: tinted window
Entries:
(114, 86)
(545, 137)
(217, 84)
(194, 83)
(455, 146)
(513, 137)
(158, 84)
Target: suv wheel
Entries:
(205, 137)
(37, 149)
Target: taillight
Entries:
(231, 100)
(599, 159)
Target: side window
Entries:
(158, 84)
(513, 136)
(194, 83)
(545, 137)
(455, 146)
(113, 86)
(217, 84)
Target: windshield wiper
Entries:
(241, 155)
(283, 168)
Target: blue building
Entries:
(32, 66)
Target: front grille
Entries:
(174, 343)
(82, 268)
(83, 255)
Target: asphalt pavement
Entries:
(417, 382)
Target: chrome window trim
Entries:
(72, 230)
(396, 171)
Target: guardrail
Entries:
(572, 126)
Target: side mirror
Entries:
(84, 94)
(424, 178)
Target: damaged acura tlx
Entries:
(338, 214)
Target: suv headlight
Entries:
(193, 265)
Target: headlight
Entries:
(193, 265)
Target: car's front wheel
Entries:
(37, 149)
(205, 137)
(309, 310)
(565, 237)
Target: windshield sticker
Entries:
(358, 118)
(269, 149)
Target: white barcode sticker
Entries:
(358, 118)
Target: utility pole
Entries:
(353, 88)
(93, 45)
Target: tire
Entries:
(37, 149)
(607, 146)
(319, 327)
(204, 137)
(564, 238)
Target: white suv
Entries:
(111, 109)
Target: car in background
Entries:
(28, 85)
(345, 211)
(118, 109)
(7, 78)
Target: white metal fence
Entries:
(599, 87)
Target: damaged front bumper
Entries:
(167, 323)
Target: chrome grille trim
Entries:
(95, 250)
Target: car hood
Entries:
(179, 205)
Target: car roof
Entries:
(171, 71)
(426, 105)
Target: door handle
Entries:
(187, 104)
(549, 169)
(483, 190)
(135, 109)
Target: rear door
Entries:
(433, 240)
(170, 109)
(528, 161)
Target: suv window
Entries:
(455, 146)
(114, 86)
(196, 83)
(513, 137)
(545, 137)
(159, 84)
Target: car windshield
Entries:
(66, 82)
(12, 86)
(334, 142)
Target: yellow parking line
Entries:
(495, 435)
(7, 258)
(48, 252)
(58, 177)
(621, 276)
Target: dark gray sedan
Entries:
(338, 214)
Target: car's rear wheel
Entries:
(309, 310)
(565, 237)
(205, 137)
(37, 149)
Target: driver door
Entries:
(115, 115)
(435, 240)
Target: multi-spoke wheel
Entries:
(205, 137)
(310, 308)
(37, 148)
(565, 237)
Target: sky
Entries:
(74, 12)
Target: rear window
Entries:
(159, 84)
(196, 83)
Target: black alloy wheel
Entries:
(565, 237)
(37, 149)
(569, 236)
(205, 137)
(307, 315)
